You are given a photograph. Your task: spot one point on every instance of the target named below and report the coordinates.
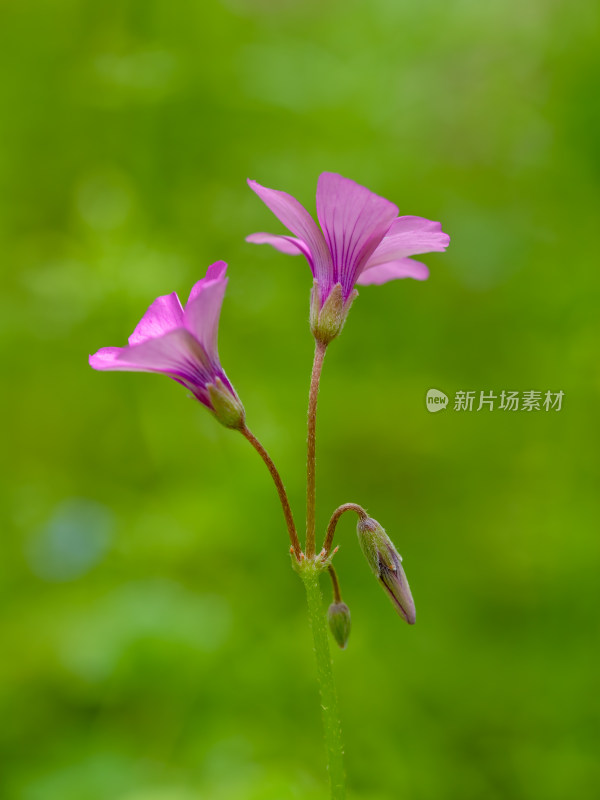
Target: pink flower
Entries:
(182, 343)
(362, 240)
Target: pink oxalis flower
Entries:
(362, 240)
(182, 343)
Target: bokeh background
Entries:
(154, 639)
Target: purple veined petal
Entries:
(106, 359)
(285, 244)
(409, 236)
(391, 270)
(297, 219)
(409, 223)
(169, 353)
(177, 354)
(354, 221)
(215, 272)
(202, 312)
(165, 314)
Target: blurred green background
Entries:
(155, 643)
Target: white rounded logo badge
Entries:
(436, 400)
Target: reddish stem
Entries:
(320, 349)
(334, 521)
(285, 504)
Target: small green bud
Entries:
(327, 321)
(340, 623)
(386, 563)
(225, 405)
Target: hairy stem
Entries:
(329, 705)
(334, 521)
(285, 503)
(320, 349)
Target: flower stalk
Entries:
(327, 544)
(283, 498)
(320, 349)
(335, 584)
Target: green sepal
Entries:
(326, 322)
(225, 405)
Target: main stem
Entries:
(329, 704)
(285, 503)
(320, 349)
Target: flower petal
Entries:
(165, 314)
(174, 353)
(409, 236)
(215, 272)
(285, 244)
(202, 312)
(403, 268)
(106, 359)
(354, 221)
(177, 354)
(297, 219)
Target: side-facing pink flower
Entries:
(182, 343)
(362, 240)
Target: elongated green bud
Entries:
(340, 623)
(386, 563)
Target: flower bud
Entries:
(226, 406)
(386, 563)
(340, 622)
(327, 320)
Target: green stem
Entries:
(329, 704)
